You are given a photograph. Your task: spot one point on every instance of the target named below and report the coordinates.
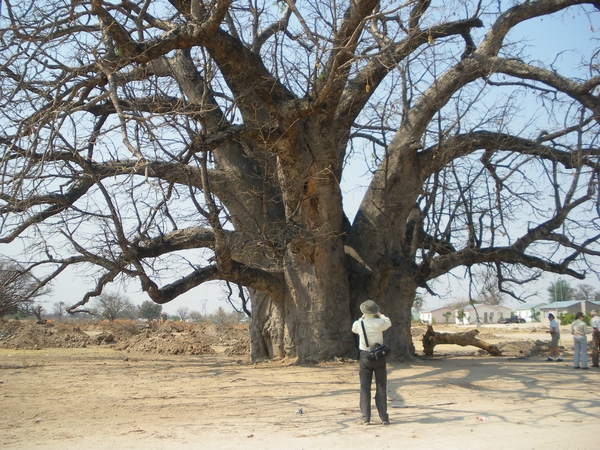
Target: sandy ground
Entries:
(100, 398)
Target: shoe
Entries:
(385, 422)
(559, 359)
(595, 365)
(549, 359)
(365, 422)
(585, 368)
(576, 367)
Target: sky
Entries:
(569, 32)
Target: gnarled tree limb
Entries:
(432, 338)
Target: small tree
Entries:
(419, 302)
(460, 315)
(36, 310)
(560, 291)
(59, 309)
(535, 315)
(149, 310)
(196, 316)
(183, 313)
(113, 306)
(447, 316)
(584, 292)
(220, 315)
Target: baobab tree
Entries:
(180, 142)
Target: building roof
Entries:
(528, 306)
(437, 309)
(478, 305)
(563, 304)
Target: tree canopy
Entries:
(150, 310)
(184, 141)
(114, 306)
(19, 290)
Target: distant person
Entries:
(579, 331)
(595, 323)
(554, 331)
(375, 324)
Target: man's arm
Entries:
(386, 321)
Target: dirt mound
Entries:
(178, 338)
(417, 332)
(524, 348)
(32, 336)
(131, 336)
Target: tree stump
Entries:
(433, 338)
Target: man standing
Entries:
(579, 332)
(555, 336)
(373, 324)
(595, 323)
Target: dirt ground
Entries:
(133, 386)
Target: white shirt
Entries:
(374, 326)
(554, 326)
(595, 323)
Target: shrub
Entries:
(566, 319)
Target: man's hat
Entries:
(369, 307)
(551, 315)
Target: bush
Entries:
(566, 319)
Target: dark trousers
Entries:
(595, 346)
(366, 370)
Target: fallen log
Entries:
(432, 338)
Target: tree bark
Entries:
(266, 327)
(317, 311)
(433, 338)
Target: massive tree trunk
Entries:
(317, 314)
(397, 302)
(381, 249)
(312, 321)
(317, 300)
(314, 311)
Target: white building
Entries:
(486, 313)
(528, 310)
(437, 315)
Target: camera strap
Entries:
(362, 323)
